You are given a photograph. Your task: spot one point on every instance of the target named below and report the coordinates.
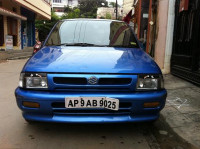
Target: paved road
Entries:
(15, 133)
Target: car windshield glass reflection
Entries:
(92, 33)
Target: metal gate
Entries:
(185, 61)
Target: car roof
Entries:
(91, 19)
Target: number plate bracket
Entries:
(92, 102)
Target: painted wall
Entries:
(162, 21)
(127, 6)
(169, 38)
(9, 5)
(6, 32)
(40, 7)
(102, 11)
(31, 9)
(71, 3)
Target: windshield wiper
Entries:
(122, 46)
(81, 44)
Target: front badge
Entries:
(93, 80)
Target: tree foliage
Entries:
(108, 16)
(113, 4)
(71, 13)
(44, 27)
(85, 9)
(88, 8)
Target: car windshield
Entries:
(92, 33)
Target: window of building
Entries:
(57, 1)
(12, 29)
(14, 9)
(58, 9)
(70, 2)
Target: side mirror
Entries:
(42, 42)
(142, 44)
(37, 47)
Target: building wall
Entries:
(63, 3)
(169, 37)
(40, 7)
(57, 4)
(162, 20)
(127, 6)
(161, 30)
(165, 30)
(5, 28)
(19, 33)
(12, 9)
(102, 11)
(71, 3)
(29, 26)
(9, 5)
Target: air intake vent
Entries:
(70, 81)
(114, 81)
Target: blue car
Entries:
(91, 71)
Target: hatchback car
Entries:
(91, 71)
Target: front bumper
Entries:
(48, 113)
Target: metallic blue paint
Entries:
(108, 62)
(46, 98)
(91, 60)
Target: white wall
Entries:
(102, 11)
(165, 29)
(65, 3)
(127, 6)
(169, 39)
(62, 4)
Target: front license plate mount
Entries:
(92, 102)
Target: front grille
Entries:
(114, 81)
(83, 81)
(71, 81)
(94, 89)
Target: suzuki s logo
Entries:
(92, 80)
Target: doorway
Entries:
(1, 31)
(12, 29)
(185, 61)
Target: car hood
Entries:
(61, 59)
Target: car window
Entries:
(93, 33)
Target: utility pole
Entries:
(116, 9)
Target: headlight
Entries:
(33, 80)
(150, 82)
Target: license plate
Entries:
(92, 102)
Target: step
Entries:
(19, 57)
